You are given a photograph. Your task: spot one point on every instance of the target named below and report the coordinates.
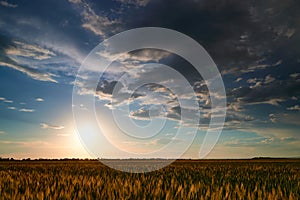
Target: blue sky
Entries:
(255, 46)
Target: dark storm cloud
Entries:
(107, 87)
(237, 34)
(270, 92)
(114, 92)
(246, 39)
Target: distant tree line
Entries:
(47, 159)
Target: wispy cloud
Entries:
(269, 79)
(295, 75)
(253, 68)
(100, 25)
(33, 73)
(48, 126)
(75, 1)
(238, 79)
(7, 4)
(135, 58)
(24, 143)
(26, 110)
(63, 134)
(29, 50)
(8, 101)
(39, 99)
(42, 58)
(138, 3)
(260, 67)
(261, 141)
(5, 100)
(272, 117)
(296, 107)
(2, 132)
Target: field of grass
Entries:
(185, 179)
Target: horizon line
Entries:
(175, 159)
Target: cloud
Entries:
(155, 99)
(105, 89)
(296, 107)
(278, 133)
(272, 118)
(290, 32)
(235, 106)
(252, 80)
(269, 91)
(33, 73)
(135, 58)
(11, 108)
(274, 102)
(269, 79)
(26, 110)
(151, 100)
(39, 99)
(100, 25)
(25, 143)
(29, 50)
(150, 111)
(249, 49)
(7, 4)
(55, 55)
(8, 101)
(48, 126)
(287, 119)
(238, 117)
(147, 114)
(239, 79)
(165, 141)
(255, 81)
(255, 67)
(284, 31)
(138, 3)
(295, 75)
(63, 134)
(267, 140)
(2, 132)
(262, 141)
(5, 100)
(75, 1)
(294, 98)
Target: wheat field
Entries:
(185, 179)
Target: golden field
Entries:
(184, 179)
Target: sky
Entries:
(255, 46)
